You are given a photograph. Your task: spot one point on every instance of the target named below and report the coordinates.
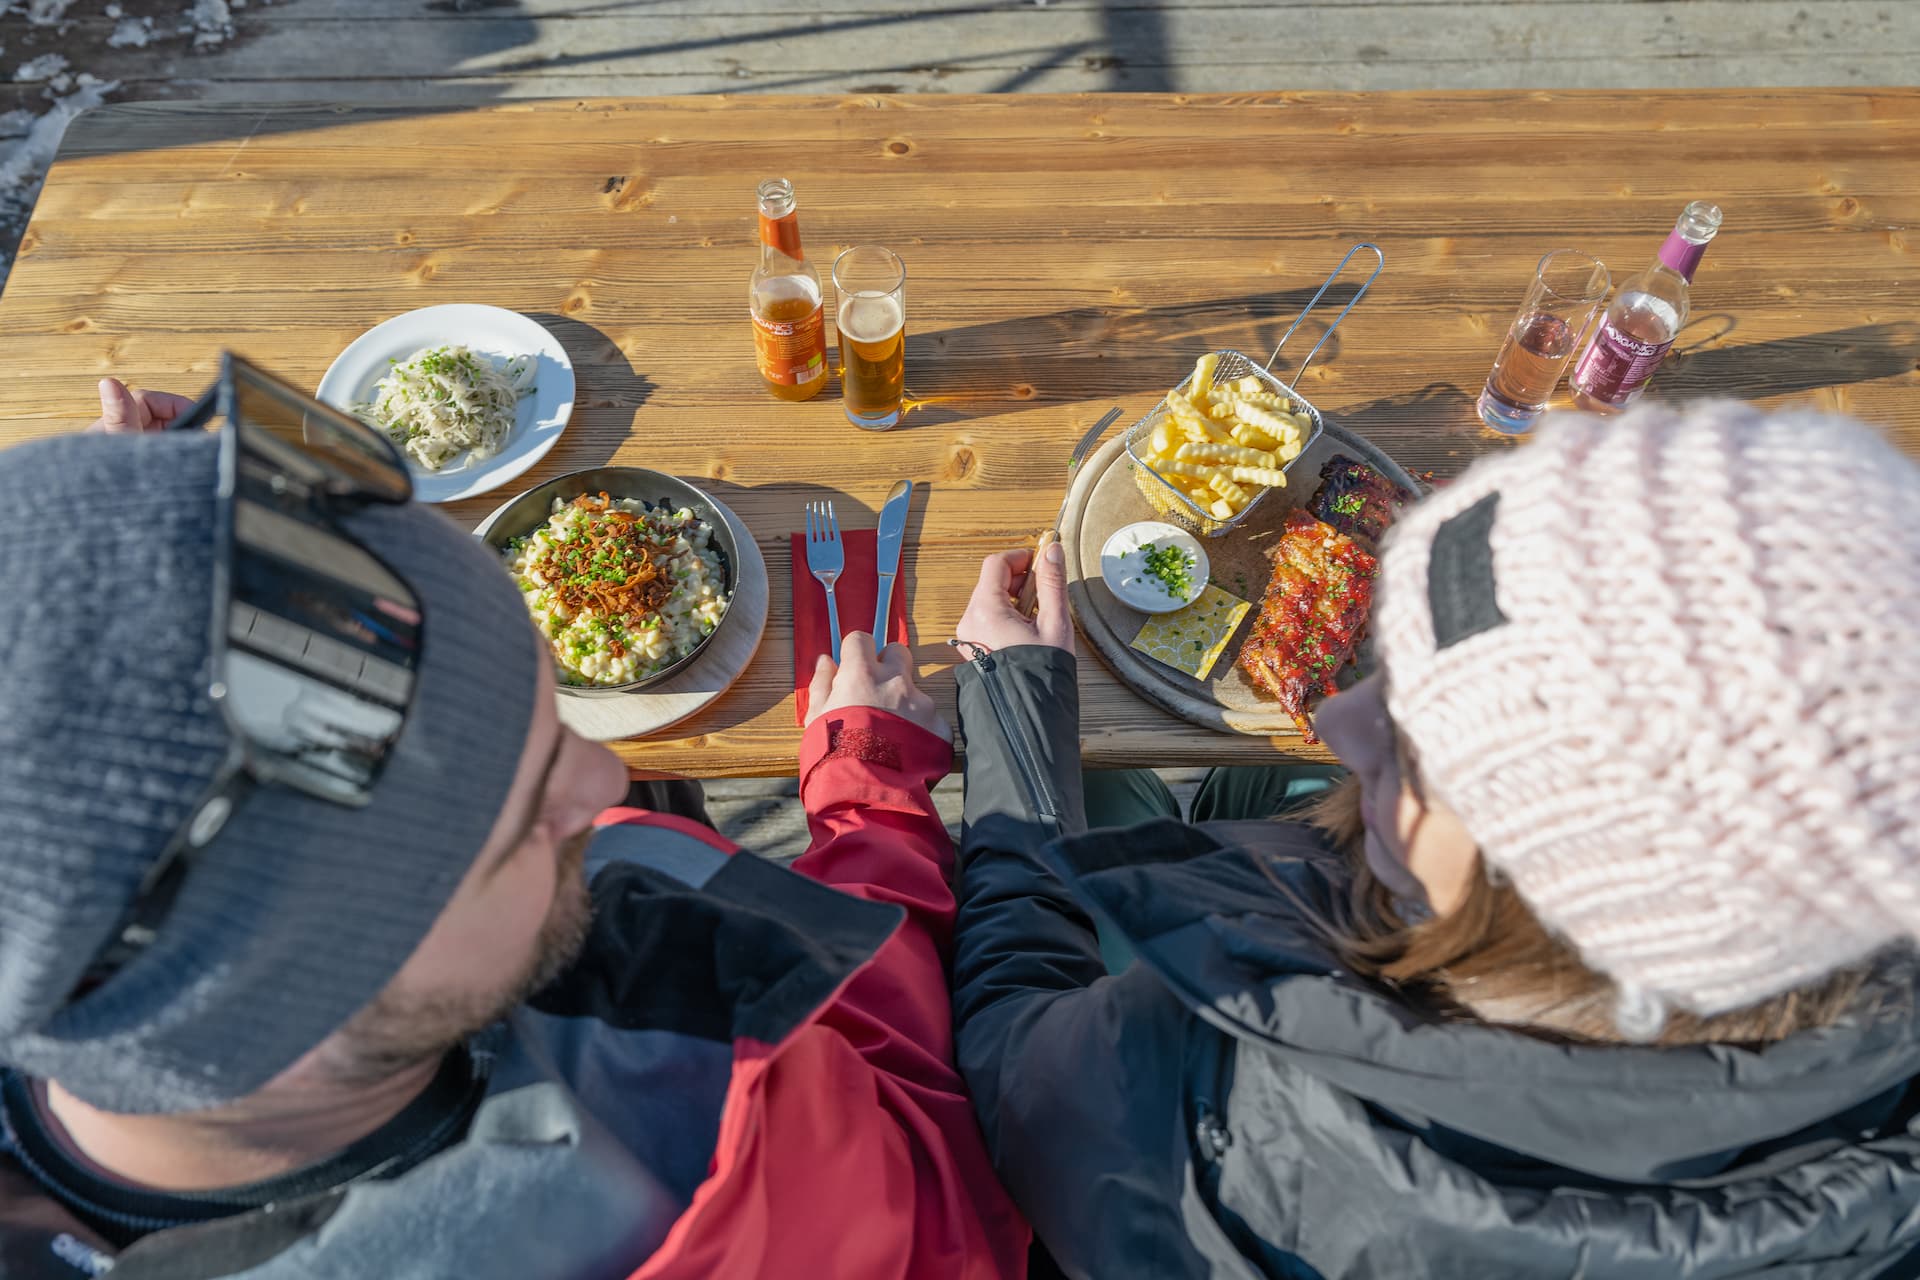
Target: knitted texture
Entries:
(300, 911)
(1694, 747)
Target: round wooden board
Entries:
(633, 715)
(1104, 497)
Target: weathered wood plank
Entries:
(1575, 42)
(171, 230)
(1011, 11)
(1781, 70)
(716, 120)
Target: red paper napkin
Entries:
(856, 592)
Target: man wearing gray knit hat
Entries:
(326, 950)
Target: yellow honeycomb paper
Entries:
(1192, 639)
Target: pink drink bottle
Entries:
(1632, 338)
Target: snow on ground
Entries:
(44, 67)
(212, 23)
(47, 13)
(131, 33)
(30, 134)
(24, 158)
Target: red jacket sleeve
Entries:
(865, 781)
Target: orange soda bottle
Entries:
(789, 325)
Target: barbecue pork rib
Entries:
(1356, 499)
(1311, 616)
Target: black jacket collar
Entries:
(1205, 908)
(688, 937)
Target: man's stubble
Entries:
(401, 1029)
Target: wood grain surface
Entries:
(1065, 254)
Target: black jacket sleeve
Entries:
(1075, 1075)
(1018, 938)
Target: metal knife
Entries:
(893, 534)
(1050, 535)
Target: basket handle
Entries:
(1380, 263)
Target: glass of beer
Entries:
(870, 284)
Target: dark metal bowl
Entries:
(522, 515)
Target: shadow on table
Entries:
(607, 392)
(1789, 366)
(1434, 429)
(1094, 352)
(1702, 332)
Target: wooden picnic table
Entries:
(1065, 254)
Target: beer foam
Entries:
(870, 317)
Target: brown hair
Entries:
(1492, 959)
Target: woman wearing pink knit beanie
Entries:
(1599, 962)
(1666, 675)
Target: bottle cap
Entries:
(1698, 224)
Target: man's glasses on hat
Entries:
(315, 641)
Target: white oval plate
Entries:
(492, 331)
(1126, 579)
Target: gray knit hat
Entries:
(300, 911)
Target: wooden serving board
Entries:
(720, 663)
(1106, 497)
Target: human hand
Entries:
(863, 680)
(992, 619)
(124, 411)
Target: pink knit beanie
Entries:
(1666, 668)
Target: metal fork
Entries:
(826, 557)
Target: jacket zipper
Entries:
(1040, 795)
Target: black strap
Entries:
(435, 1120)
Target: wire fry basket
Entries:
(1173, 503)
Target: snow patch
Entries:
(44, 67)
(132, 33)
(46, 13)
(24, 160)
(211, 23)
(27, 143)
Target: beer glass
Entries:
(870, 284)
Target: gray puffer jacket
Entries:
(1233, 1105)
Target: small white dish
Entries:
(492, 331)
(1123, 565)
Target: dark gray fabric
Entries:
(1023, 949)
(602, 1113)
(1460, 584)
(1126, 797)
(685, 858)
(300, 911)
(1236, 1106)
(1262, 791)
(1039, 721)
